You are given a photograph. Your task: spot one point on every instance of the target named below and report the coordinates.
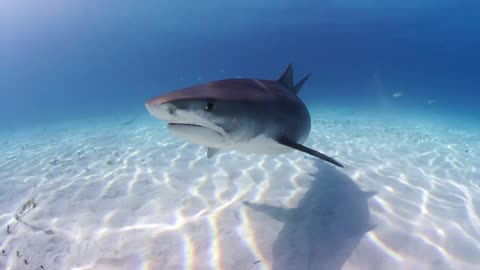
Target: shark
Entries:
(245, 115)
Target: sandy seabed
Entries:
(125, 194)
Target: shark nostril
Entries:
(171, 109)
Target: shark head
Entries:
(213, 114)
(193, 120)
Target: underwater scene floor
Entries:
(125, 194)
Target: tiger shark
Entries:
(245, 115)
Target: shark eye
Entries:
(209, 107)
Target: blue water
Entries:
(62, 61)
(393, 95)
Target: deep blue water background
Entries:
(62, 60)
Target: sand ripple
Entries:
(114, 196)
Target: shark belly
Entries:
(213, 139)
(258, 145)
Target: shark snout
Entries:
(163, 111)
(155, 101)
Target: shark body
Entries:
(245, 115)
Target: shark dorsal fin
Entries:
(287, 80)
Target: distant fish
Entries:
(431, 101)
(128, 122)
(397, 94)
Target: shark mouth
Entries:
(183, 124)
(186, 127)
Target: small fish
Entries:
(397, 94)
(128, 122)
(431, 101)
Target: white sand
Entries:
(116, 196)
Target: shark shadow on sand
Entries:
(325, 228)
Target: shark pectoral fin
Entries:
(211, 152)
(285, 141)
